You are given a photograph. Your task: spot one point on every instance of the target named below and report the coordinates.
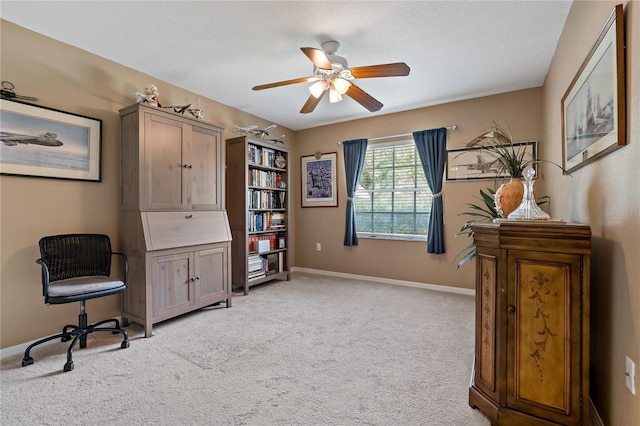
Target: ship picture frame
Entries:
(593, 107)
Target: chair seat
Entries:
(83, 285)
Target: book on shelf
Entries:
(254, 264)
(258, 274)
(270, 263)
(269, 242)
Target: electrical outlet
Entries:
(630, 375)
(318, 247)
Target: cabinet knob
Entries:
(197, 277)
(511, 309)
(187, 166)
(189, 216)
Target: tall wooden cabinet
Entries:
(174, 228)
(532, 323)
(257, 200)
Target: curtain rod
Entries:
(452, 127)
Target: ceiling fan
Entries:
(332, 74)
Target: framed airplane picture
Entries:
(48, 143)
(479, 163)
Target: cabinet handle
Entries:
(197, 277)
(189, 216)
(188, 166)
(511, 309)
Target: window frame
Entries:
(418, 165)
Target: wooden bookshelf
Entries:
(257, 200)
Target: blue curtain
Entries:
(354, 152)
(432, 148)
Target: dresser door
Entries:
(544, 328)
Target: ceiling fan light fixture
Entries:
(334, 95)
(341, 85)
(317, 88)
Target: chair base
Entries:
(79, 333)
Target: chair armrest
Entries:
(45, 276)
(125, 265)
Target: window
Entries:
(393, 199)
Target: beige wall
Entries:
(66, 78)
(409, 260)
(606, 195)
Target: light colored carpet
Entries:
(315, 350)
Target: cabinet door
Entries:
(172, 285)
(544, 323)
(211, 271)
(488, 317)
(164, 162)
(206, 163)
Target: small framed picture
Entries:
(318, 180)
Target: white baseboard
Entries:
(594, 417)
(19, 349)
(436, 287)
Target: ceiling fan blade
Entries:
(363, 98)
(284, 83)
(397, 69)
(311, 104)
(318, 57)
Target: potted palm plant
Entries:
(511, 160)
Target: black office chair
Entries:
(75, 268)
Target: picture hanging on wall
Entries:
(44, 142)
(593, 108)
(318, 175)
(479, 163)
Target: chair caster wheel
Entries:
(125, 345)
(68, 366)
(65, 338)
(27, 361)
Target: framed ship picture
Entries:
(593, 108)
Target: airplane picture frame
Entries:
(43, 142)
(477, 163)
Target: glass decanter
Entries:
(528, 208)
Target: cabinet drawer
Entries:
(163, 230)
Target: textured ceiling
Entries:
(221, 49)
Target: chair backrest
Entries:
(76, 255)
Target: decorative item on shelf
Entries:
(197, 112)
(528, 208)
(150, 96)
(7, 92)
(280, 161)
(508, 196)
(511, 160)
